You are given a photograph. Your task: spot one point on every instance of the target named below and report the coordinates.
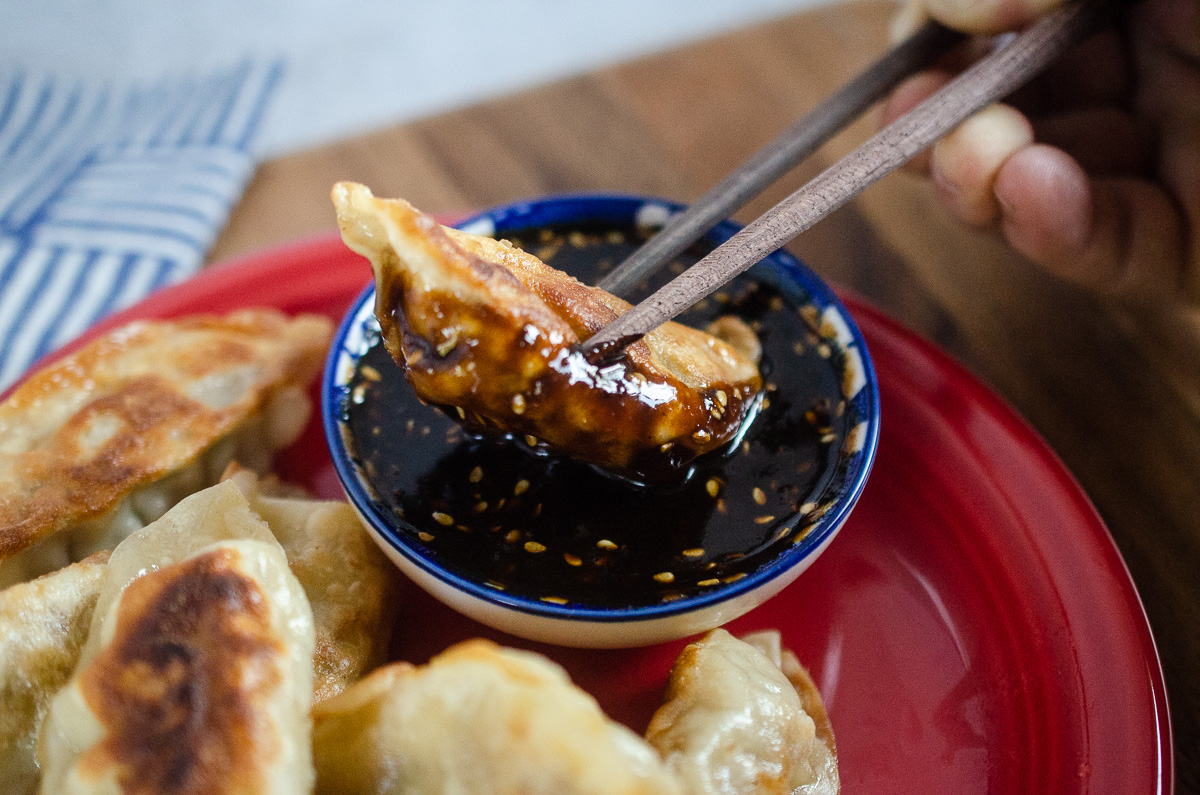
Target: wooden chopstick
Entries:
(782, 154)
(985, 82)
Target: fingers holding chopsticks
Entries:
(1076, 172)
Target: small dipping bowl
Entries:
(549, 549)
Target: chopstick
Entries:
(986, 81)
(778, 157)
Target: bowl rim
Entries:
(617, 208)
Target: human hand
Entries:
(1093, 170)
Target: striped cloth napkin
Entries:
(108, 193)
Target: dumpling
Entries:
(733, 723)
(43, 625)
(489, 330)
(477, 719)
(197, 672)
(350, 585)
(104, 441)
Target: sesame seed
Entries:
(532, 441)
(443, 518)
(665, 447)
(764, 519)
(370, 373)
(824, 350)
(664, 576)
(735, 577)
(713, 486)
(722, 398)
(534, 547)
(798, 348)
(694, 552)
(577, 239)
(426, 537)
(410, 425)
(829, 438)
(512, 536)
(782, 533)
(476, 475)
(759, 495)
(701, 436)
(518, 404)
(572, 560)
(721, 505)
(554, 600)
(709, 583)
(604, 543)
(480, 506)
(745, 448)
(493, 584)
(766, 403)
(358, 394)
(521, 487)
(462, 415)
(808, 507)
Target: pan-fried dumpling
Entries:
(104, 441)
(43, 625)
(734, 723)
(477, 719)
(197, 672)
(351, 586)
(492, 331)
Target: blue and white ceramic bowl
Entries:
(797, 535)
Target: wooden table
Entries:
(1115, 392)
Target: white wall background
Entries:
(359, 64)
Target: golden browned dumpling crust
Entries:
(178, 689)
(491, 331)
(138, 405)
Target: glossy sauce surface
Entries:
(496, 510)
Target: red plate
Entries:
(973, 628)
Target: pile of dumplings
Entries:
(205, 630)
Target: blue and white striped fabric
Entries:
(109, 193)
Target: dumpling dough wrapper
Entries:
(743, 716)
(197, 672)
(478, 719)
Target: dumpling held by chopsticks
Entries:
(492, 332)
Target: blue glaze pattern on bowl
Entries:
(826, 316)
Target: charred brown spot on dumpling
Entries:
(180, 688)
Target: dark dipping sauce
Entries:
(497, 511)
